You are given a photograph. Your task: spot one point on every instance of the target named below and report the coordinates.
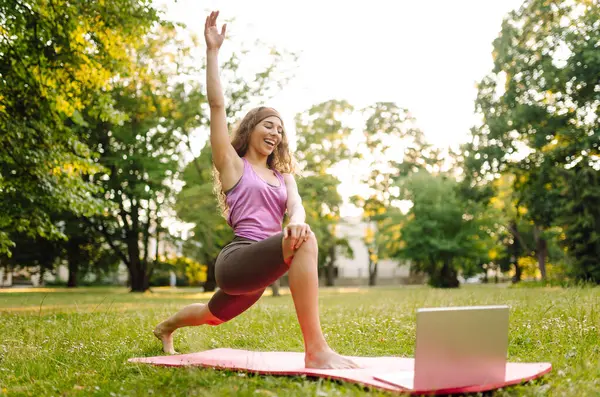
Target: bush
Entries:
(187, 271)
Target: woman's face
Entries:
(266, 135)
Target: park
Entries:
(446, 163)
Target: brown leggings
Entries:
(243, 270)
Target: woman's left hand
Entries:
(298, 232)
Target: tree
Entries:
(443, 233)
(539, 110)
(142, 153)
(34, 254)
(517, 231)
(85, 250)
(387, 129)
(56, 58)
(581, 216)
(322, 143)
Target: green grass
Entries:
(68, 343)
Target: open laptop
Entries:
(456, 347)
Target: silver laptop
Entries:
(456, 347)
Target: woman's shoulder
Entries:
(289, 179)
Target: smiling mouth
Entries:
(270, 142)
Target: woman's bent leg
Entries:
(243, 270)
(304, 285)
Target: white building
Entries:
(355, 271)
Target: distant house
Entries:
(355, 271)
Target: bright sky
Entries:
(426, 56)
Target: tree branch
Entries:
(109, 240)
(516, 233)
(147, 233)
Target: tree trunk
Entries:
(275, 288)
(541, 249)
(330, 275)
(140, 281)
(73, 258)
(542, 254)
(73, 272)
(372, 273)
(138, 269)
(330, 268)
(157, 237)
(517, 246)
(518, 272)
(4, 275)
(448, 277)
(146, 235)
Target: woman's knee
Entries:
(310, 244)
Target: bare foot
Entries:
(328, 359)
(166, 338)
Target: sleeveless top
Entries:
(256, 208)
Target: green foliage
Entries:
(322, 135)
(194, 272)
(36, 254)
(581, 218)
(443, 233)
(539, 109)
(57, 60)
(142, 153)
(85, 251)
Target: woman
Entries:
(256, 187)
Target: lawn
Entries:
(55, 342)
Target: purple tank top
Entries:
(256, 208)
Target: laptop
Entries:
(456, 347)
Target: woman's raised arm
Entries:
(224, 155)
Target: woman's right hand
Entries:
(213, 38)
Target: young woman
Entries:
(256, 187)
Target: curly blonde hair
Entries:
(280, 160)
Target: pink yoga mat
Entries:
(292, 363)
